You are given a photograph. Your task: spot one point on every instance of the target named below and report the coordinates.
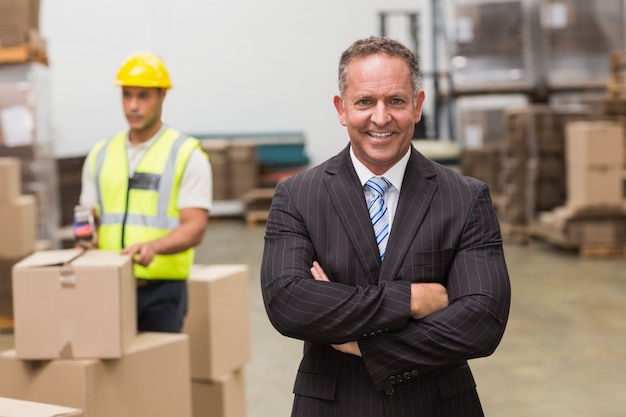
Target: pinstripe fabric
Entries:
(445, 230)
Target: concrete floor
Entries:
(563, 355)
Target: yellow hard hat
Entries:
(143, 69)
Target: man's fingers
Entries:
(318, 273)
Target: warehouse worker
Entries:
(150, 190)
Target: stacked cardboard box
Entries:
(243, 167)
(20, 40)
(533, 164)
(18, 218)
(235, 166)
(482, 130)
(594, 214)
(217, 149)
(483, 163)
(595, 163)
(18, 19)
(578, 35)
(25, 134)
(493, 43)
(481, 121)
(76, 343)
(218, 327)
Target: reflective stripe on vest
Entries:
(144, 207)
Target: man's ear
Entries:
(338, 102)
(418, 106)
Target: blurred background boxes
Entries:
(18, 223)
(18, 18)
(577, 38)
(595, 163)
(25, 117)
(493, 44)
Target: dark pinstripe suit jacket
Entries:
(445, 230)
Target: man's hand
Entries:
(351, 348)
(318, 272)
(426, 298)
(143, 253)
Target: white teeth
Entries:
(380, 135)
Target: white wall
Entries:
(238, 66)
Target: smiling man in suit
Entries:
(389, 266)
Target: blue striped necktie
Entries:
(378, 211)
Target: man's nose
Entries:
(381, 115)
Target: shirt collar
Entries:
(146, 144)
(394, 175)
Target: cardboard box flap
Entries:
(17, 408)
(101, 258)
(77, 257)
(50, 258)
(215, 272)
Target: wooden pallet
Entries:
(23, 53)
(556, 237)
(6, 324)
(253, 217)
(602, 251)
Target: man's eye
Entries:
(396, 101)
(363, 102)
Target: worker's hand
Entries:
(351, 348)
(86, 244)
(318, 272)
(426, 298)
(143, 253)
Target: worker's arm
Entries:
(189, 233)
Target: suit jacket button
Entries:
(414, 373)
(365, 335)
(407, 375)
(389, 390)
(392, 380)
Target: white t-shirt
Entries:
(195, 189)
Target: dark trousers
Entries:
(162, 306)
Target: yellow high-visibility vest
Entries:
(143, 207)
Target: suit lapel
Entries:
(415, 197)
(348, 200)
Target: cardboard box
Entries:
(597, 186)
(224, 397)
(74, 304)
(15, 22)
(594, 143)
(16, 408)
(218, 321)
(18, 222)
(10, 179)
(152, 379)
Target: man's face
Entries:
(142, 107)
(379, 110)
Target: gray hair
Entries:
(375, 45)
